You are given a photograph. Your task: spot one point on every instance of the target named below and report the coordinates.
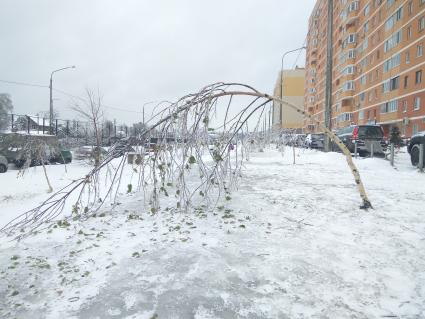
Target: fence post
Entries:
(421, 157)
(56, 125)
(13, 120)
(43, 124)
(371, 150)
(392, 154)
(28, 124)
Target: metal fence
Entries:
(72, 132)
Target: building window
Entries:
(392, 62)
(404, 106)
(391, 21)
(421, 23)
(389, 107)
(406, 80)
(415, 129)
(366, 10)
(410, 7)
(363, 79)
(393, 41)
(362, 96)
(418, 77)
(420, 50)
(417, 104)
(361, 115)
(409, 32)
(407, 57)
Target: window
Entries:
(353, 6)
(363, 79)
(366, 27)
(366, 10)
(409, 32)
(392, 62)
(410, 7)
(345, 117)
(415, 129)
(417, 104)
(404, 106)
(361, 115)
(421, 23)
(362, 96)
(420, 50)
(391, 84)
(349, 85)
(406, 80)
(350, 69)
(390, 3)
(392, 41)
(389, 107)
(418, 77)
(391, 21)
(407, 57)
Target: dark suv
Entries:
(366, 136)
(413, 147)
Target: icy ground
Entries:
(291, 243)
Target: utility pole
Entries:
(51, 97)
(328, 88)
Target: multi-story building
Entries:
(289, 86)
(378, 64)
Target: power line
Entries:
(68, 94)
(24, 84)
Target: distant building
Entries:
(289, 86)
(378, 64)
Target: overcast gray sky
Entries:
(138, 51)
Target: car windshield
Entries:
(317, 136)
(370, 132)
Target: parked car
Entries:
(88, 152)
(120, 148)
(3, 164)
(366, 136)
(21, 148)
(64, 157)
(315, 141)
(413, 147)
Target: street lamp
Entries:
(281, 81)
(143, 109)
(51, 98)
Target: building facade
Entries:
(290, 86)
(378, 64)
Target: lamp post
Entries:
(143, 110)
(281, 81)
(51, 96)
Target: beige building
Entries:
(289, 86)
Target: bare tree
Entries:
(6, 106)
(166, 170)
(91, 109)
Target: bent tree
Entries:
(187, 170)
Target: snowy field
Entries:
(291, 243)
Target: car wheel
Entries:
(414, 155)
(3, 168)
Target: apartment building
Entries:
(289, 85)
(378, 64)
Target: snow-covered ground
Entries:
(291, 243)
